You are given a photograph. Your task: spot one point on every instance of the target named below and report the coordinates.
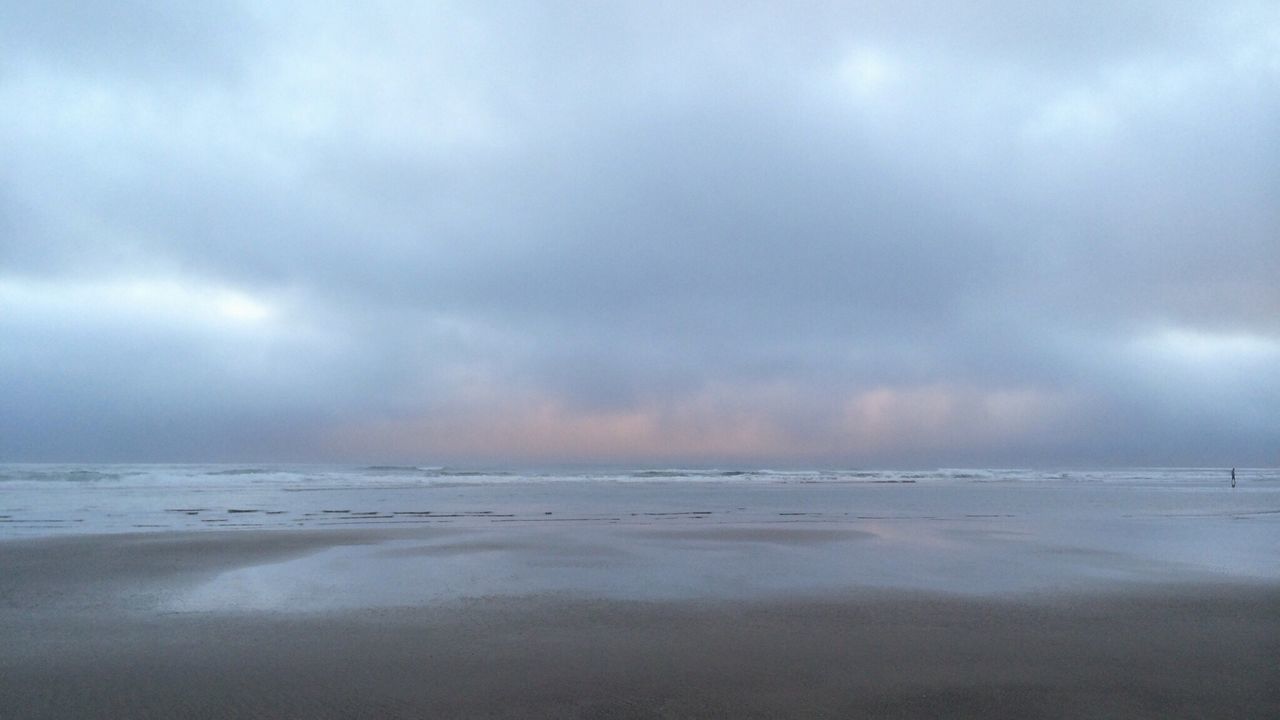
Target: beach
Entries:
(1157, 603)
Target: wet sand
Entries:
(87, 634)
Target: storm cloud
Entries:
(861, 234)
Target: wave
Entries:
(334, 476)
(684, 473)
(60, 474)
(433, 471)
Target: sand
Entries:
(89, 630)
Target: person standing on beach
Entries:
(1233, 477)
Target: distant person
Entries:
(1233, 477)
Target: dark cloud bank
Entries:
(873, 234)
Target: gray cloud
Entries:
(131, 38)
(883, 234)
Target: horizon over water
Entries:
(38, 499)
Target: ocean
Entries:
(58, 499)
(671, 533)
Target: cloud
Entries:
(132, 37)
(890, 233)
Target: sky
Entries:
(864, 234)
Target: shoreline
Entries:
(87, 636)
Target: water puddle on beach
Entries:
(976, 556)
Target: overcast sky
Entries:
(725, 233)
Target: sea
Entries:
(394, 536)
(59, 499)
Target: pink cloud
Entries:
(720, 425)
